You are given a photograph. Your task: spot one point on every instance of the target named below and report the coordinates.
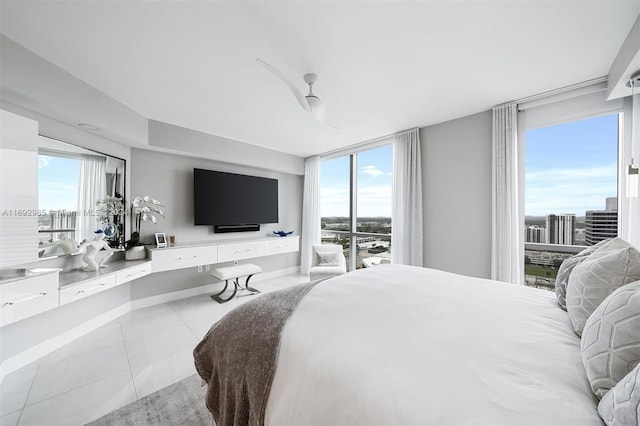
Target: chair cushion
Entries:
(230, 272)
(328, 258)
(325, 271)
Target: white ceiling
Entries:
(383, 66)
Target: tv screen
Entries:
(231, 199)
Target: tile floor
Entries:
(125, 360)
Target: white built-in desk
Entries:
(204, 253)
(29, 295)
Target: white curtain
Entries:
(633, 231)
(507, 251)
(406, 214)
(92, 188)
(310, 212)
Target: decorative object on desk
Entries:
(135, 253)
(110, 213)
(161, 239)
(91, 250)
(282, 233)
(67, 245)
(143, 209)
(172, 240)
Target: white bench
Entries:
(234, 273)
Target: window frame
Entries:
(352, 234)
(573, 106)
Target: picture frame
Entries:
(161, 239)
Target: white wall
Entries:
(456, 173)
(169, 179)
(179, 140)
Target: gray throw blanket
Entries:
(237, 358)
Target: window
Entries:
(58, 178)
(355, 205)
(571, 192)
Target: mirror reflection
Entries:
(80, 193)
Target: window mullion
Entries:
(353, 214)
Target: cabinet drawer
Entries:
(132, 273)
(24, 298)
(88, 288)
(238, 251)
(178, 258)
(281, 245)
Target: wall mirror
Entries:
(80, 194)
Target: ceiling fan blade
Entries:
(299, 97)
(318, 110)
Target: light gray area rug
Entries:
(181, 403)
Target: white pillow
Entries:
(608, 268)
(328, 258)
(611, 339)
(621, 405)
(564, 272)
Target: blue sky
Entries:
(58, 183)
(374, 184)
(571, 167)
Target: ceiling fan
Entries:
(310, 103)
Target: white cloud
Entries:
(43, 161)
(372, 201)
(569, 190)
(372, 171)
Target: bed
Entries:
(398, 345)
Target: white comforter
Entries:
(399, 345)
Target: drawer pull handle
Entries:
(129, 276)
(91, 289)
(26, 299)
(237, 251)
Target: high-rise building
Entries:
(534, 234)
(602, 224)
(561, 229)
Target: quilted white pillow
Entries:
(328, 258)
(564, 272)
(621, 405)
(608, 268)
(611, 339)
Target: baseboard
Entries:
(36, 352)
(32, 354)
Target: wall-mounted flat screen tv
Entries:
(229, 199)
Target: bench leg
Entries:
(251, 289)
(219, 299)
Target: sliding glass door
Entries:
(355, 205)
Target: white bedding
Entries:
(399, 345)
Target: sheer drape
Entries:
(92, 188)
(406, 216)
(310, 212)
(507, 252)
(633, 232)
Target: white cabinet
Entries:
(168, 259)
(281, 245)
(27, 297)
(132, 273)
(88, 288)
(18, 189)
(239, 251)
